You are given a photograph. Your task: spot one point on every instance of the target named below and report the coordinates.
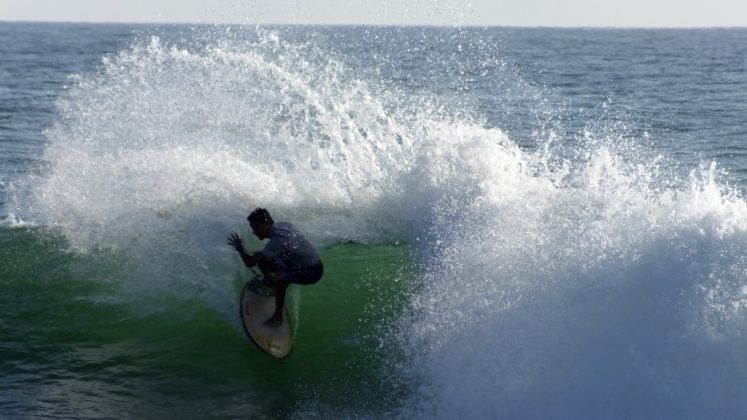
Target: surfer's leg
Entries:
(279, 284)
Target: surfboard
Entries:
(255, 308)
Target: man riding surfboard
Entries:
(287, 258)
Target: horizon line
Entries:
(340, 24)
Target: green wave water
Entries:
(76, 343)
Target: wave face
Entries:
(548, 284)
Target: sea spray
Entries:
(603, 298)
(161, 153)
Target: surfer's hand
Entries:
(235, 241)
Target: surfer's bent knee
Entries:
(277, 279)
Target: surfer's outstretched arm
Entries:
(250, 260)
(235, 241)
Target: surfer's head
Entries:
(261, 222)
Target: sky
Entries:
(554, 13)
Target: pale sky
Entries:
(586, 13)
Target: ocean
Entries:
(516, 223)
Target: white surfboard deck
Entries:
(255, 310)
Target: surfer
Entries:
(287, 258)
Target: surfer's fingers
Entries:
(235, 240)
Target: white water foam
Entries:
(607, 300)
(580, 291)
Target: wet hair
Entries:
(259, 216)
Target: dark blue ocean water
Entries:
(518, 223)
